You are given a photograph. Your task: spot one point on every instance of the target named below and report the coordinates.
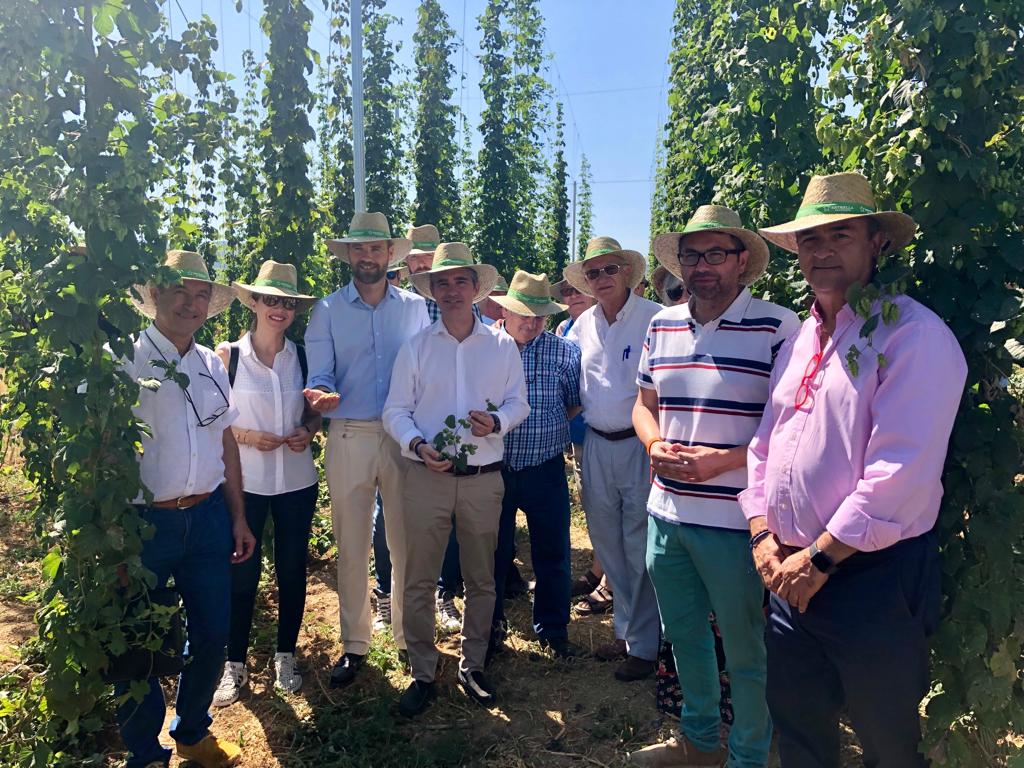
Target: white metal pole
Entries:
(358, 144)
(572, 250)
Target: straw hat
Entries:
(274, 279)
(449, 256)
(602, 246)
(369, 228)
(501, 285)
(714, 218)
(188, 265)
(837, 197)
(425, 238)
(659, 277)
(529, 295)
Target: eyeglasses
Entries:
(675, 294)
(569, 291)
(611, 269)
(273, 301)
(713, 256)
(804, 392)
(221, 410)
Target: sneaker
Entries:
(345, 670)
(211, 752)
(416, 698)
(231, 683)
(477, 688)
(285, 677)
(674, 753)
(382, 617)
(448, 617)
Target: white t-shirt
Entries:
(271, 400)
(712, 384)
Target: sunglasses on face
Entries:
(392, 274)
(273, 301)
(675, 294)
(569, 291)
(611, 269)
(713, 256)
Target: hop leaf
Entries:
(450, 422)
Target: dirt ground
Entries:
(550, 713)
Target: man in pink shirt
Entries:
(844, 490)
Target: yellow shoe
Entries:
(211, 752)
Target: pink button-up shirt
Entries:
(862, 458)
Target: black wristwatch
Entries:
(497, 424)
(821, 561)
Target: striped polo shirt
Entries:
(712, 384)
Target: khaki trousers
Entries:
(360, 458)
(432, 501)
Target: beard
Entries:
(368, 275)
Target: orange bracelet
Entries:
(652, 442)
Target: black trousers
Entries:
(862, 644)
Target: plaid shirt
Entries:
(552, 367)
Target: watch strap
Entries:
(820, 560)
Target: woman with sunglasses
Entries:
(274, 429)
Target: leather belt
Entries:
(622, 434)
(182, 502)
(481, 470)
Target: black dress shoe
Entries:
(477, 688)
(416, 698)
(634, 668)
(345, 670)
(561, 648)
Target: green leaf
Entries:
(51, 563)
(450, 422)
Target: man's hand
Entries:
(432, 458)
(264, 441)
(321, 401)
(797, 580)
(768, 558)
(245, 542)
(665, 461)
(482, 423)
(700, 463)
(299, 440)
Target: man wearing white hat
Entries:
(190, 467)
(352, 339)
(616, 469)
(844, 490)
(703, 381)
(457, 389)
(534, 473)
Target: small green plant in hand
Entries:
(491, 407)
(448, 443)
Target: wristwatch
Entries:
(497, 424)
(821, 561)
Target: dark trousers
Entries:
(861, 643)
(542, 492)
(293, 515)
(450, 582)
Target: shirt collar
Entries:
(439, 329)
(736, 311)
(352, 295)
(844, 316)
(245, 346)
(164, 345)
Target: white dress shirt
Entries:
(180, 458)
(271, 400)
(611, 355)
(436, 376)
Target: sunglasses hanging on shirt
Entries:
(220, 411)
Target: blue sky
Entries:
(609, 68)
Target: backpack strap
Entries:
(303, 364)
(233, 351)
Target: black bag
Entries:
(139, 662)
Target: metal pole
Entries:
(358, 144)
(572, 253)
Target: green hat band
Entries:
(370, 233)
(601, 252)
(269, 283)
(702, 225)
(425, 245)
(527, 299)
(819, 208)
(193, 274)
(450, 262)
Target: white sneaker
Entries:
(382, 618)
(448, 617)
(234, 678)
(285, 677)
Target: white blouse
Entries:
(271, 400)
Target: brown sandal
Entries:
(597, 602)
(585, 584)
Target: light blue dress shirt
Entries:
(351, 346)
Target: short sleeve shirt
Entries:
(712, 384)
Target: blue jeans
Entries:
(194, 546)
(542, 492)
(381, 553)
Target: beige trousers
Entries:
(432, 500)
(360, 458)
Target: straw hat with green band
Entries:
(370, 228)
(188, 265)
(449, 256)
(529, 295)
(603, 246)
(424, 238)
(714, 218)
(501, 285)
(274, 279)
(837, 197)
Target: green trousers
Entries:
(697, 570)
